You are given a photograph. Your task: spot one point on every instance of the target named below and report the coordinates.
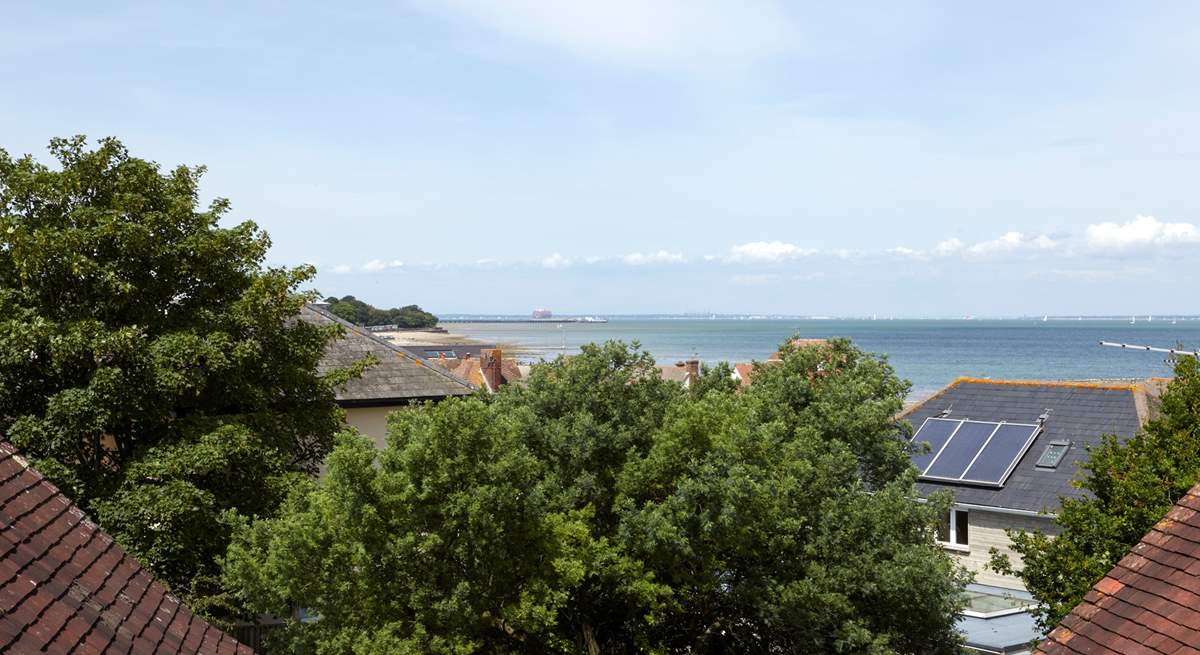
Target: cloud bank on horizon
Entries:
(920, 158)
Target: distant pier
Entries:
(565, 319)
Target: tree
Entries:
(601, 509)
(360, 313)
(1131, 486)
(149, 364)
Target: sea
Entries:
(928, 352)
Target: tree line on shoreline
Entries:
(361, 313)
(151, 367)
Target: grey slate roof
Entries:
(1081, 413)
(399, 376)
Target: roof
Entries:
(470, 368)
(1003, 633)
(676, 372)
(399, 376)
(743, 372)
(1148, 602)
(67, 587)
(1080, 413)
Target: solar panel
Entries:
(997, 459)
(972, 452)
(954, 459)
(937, 432)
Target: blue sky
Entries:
(917, 159)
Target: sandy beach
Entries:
(424, 338)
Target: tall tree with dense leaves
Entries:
(1131, 487)
(149, 364)
(601, 509)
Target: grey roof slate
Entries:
(400, 376)
(1081, 414)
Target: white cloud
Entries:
(660, 257)
(948, 247)
(1141, 231)
(767, 251)
(909, 253)
(1011, 242)
(594, 259)
(342, 269)
(555, 261)
(377, 265)
(658, 34)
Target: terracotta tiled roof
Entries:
(67, 587)
(1148, 602)
(469, 369)
(745, 371)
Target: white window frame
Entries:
(953, 544)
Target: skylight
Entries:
(1053, 454)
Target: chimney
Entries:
(489, 365)
(693, 369)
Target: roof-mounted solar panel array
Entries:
(972, 452)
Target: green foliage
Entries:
(360, 313)
(148, 363)
(600, 509)
(1132, 486)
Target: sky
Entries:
(661, 156)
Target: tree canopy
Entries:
(601, 509)
(1131, 486)
(149, 364)
(360, 313)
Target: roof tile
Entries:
(67, 587)
(1149, 602)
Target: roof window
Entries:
(1053, 454)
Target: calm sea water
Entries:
(929, 353)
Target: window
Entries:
(954, 530)
(1053, 454)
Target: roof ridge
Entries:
(389, 345)
(1077, 384)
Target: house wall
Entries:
(371, 421)
(986, 531)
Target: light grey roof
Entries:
(1010, 633)
(1080, 413)
(399, 376)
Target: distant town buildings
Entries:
(542, 313)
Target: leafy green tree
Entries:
(149, 364)
(1131, 486)
(358, 312)
(601, 509)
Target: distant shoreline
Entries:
(439, 338)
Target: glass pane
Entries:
(1006, 446)
(960, 527)
(962, 448)
(1053, 454)
(943, 531)
(935, 431)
